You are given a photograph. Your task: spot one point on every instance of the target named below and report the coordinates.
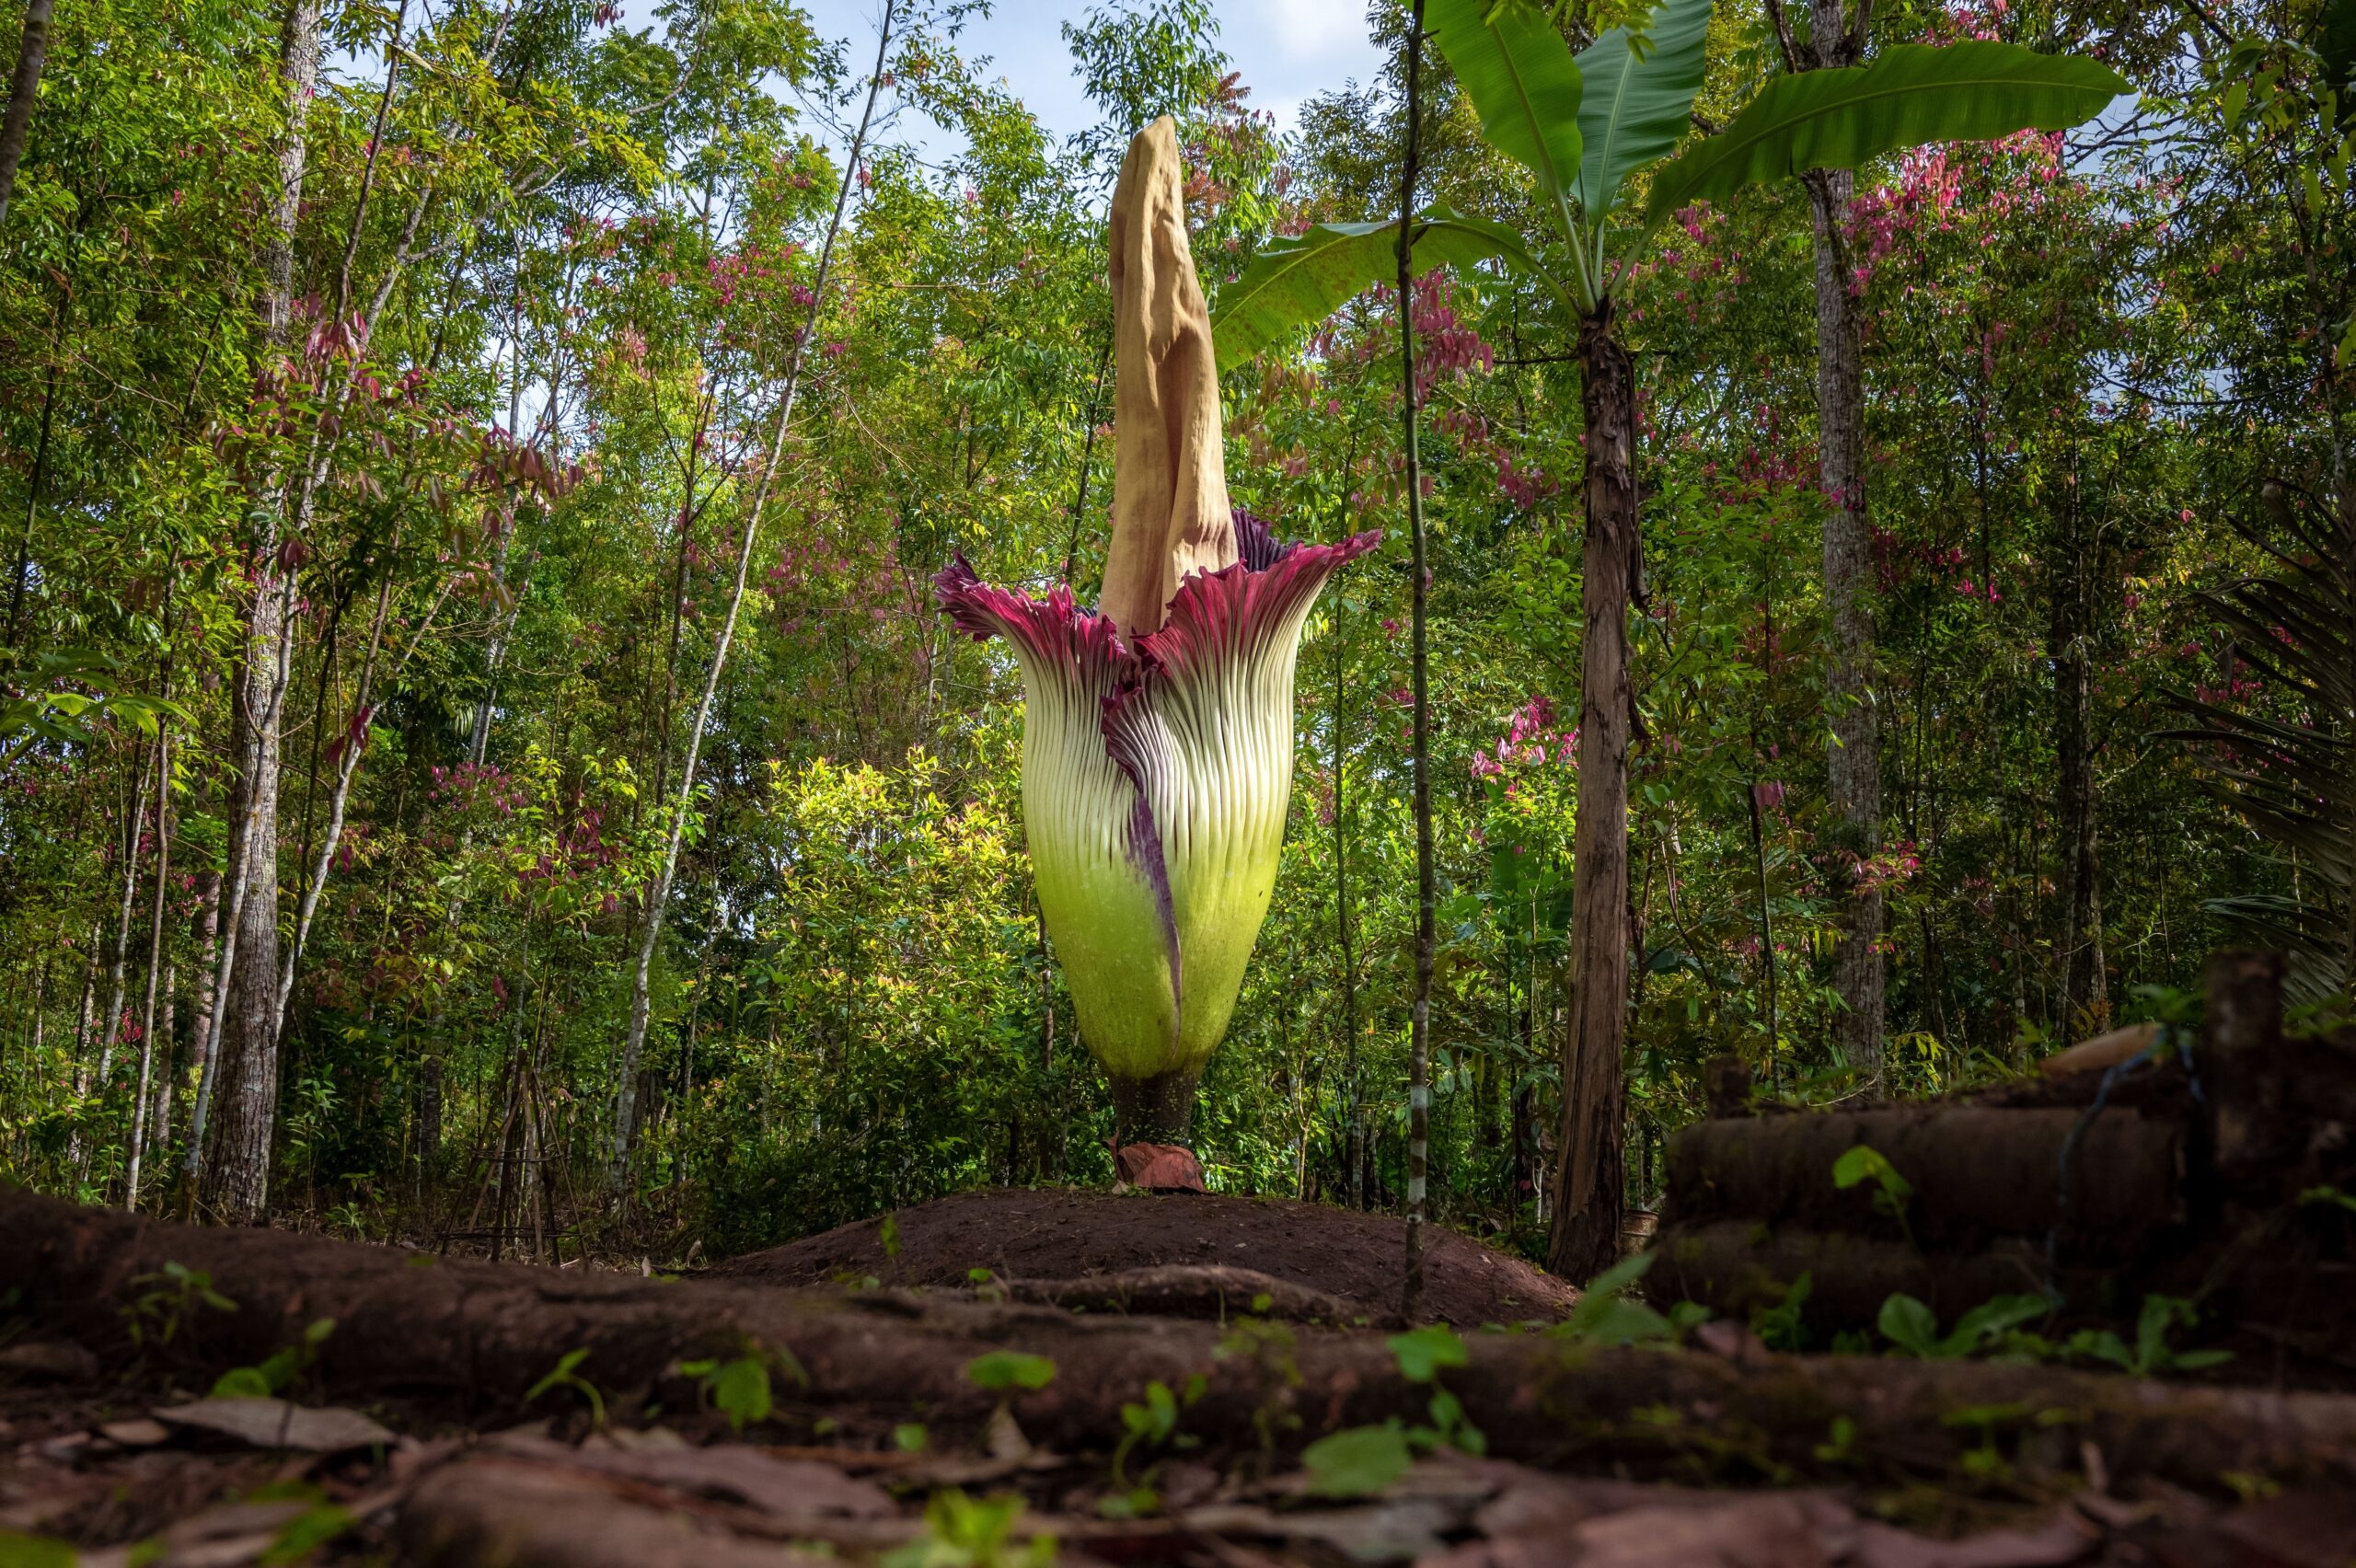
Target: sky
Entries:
(1288, 49)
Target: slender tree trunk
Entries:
(1353, 1107)
(1419, 1018)
(112, 1018)
(154, 964)
(659, 895)
(159, 1115)
(234, 1181)
(74, 1149)
(207, 933)
(1590, 1174)
(2083, 982)
(1853, 757)
(16, 125)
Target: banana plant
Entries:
(1592, 130)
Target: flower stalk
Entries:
(1157, 736)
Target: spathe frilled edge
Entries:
(1216, 619)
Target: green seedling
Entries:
(1604, 1314)
(567, 1376)
(1783, 1326)
(171, 1302)
(279, 1370)
(739, 1386)
(1913, 1328)
(1891, 1191)
(967, 1532)
(2150, 1355)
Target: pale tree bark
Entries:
(111, 1021)
(2085, 981)
(1852, 754)
(154, 964)
(658, 897)
(1590, 1173)
(1419, 1016)
(234, 1179)
(24, 88)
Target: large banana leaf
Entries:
(1522, 81)
(1294, 282)
(1637, 97)
(1912, 94)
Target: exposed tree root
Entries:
(479, 1336)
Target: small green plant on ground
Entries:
(1891, 1191)
(1149, 1426)
(279, 1370)
(1783, 1326)
(740, 1387)
(2150, 1355)
(1913, 1328)
(170, 1301)
(567, 1375)
(1364, 1459)
(967, 1532)
(1004, 1371)
(1606, 1315)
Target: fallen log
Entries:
(1742, 1268)
(1976, 1173)
(478, 1337)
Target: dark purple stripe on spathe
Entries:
(1053, 630)
(1256, 544)
(1222, 613)
(1215, 615)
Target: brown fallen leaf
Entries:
(502, 1513)
(137, 1432)
(60, 1359)
(219, 1537)
(2064, 1538)
(1381, 1532)
(1158, 1167)
(1769, 1531)
(275, 1424)
(2307, 1528)
(787, 1489)
(2102, 1052)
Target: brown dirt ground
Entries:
(1059, 1235)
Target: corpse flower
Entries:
(1157, 734)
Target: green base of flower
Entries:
(1160, 1109)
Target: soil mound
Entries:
(1031, 1236)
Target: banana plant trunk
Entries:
(1591, 1178)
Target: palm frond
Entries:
(2289, 769)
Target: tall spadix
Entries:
(1171, 518)
(1157, 745)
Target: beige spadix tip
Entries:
(1170, 510)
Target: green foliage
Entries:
(1358, 1461)
(1523, 83)
(566, 1375)
(1908, 94)
(19, 1549)
(1785, 1325)
(739, 1386)
(965, 1532)
(1308, 277)
(2150, 1355)
(1004, 1371)
(169, 1302)
(1604, 1315)
(1912, 1327)
(279, 1370)
(1638, 100)
(1891, 1191)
